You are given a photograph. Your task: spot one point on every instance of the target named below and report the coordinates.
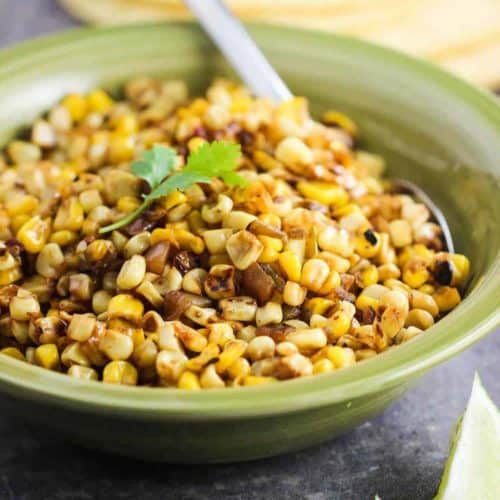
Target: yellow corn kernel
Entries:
(333, 281)
(290, 263)
(189, 241)
(323, 192)
(273, 243)
(99, 101)
(63, 237)
(339, 323)
(34, 234)
(125, 306)
(233, 349)
(76, 104)
(195, 143)
(415, 273)
(365, 302)
(341, 356)
(9, 276)
(271, 220)
(13, 352)
(462, 264)
(125, 125)
(127, 204)
(427, 289)
(241, 105)
(268, 255)
(240, 368)
(257, 380)
(47, 356)
(120, 372)
(265, 161)
(367, 244)
(161, 234)
(369, 276)
(344, 210)
(447, 298)
(173, 199)
(18, 220)
(188, 380)
(337, 118)
(319, 305)
(314, 274)
(121, 148)
(323, 366)
(70, 215)
(21, 205)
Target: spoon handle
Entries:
(241, 51)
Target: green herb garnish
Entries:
(216, 159)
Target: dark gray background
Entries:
(399, 455)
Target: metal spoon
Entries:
(260, 77)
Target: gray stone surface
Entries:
(399, 455)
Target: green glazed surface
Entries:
(433, 129)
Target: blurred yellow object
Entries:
(461, 35)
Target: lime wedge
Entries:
(472, 471)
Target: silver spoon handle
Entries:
(241, 51)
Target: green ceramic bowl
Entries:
(433, 128)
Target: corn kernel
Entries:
(120, 372)
(323, 192)
(34, 234)
(126, 307)
(188, 380)
(13, 352)
(47, 356)
(99, 101)
(76, 104)
(323, 366)
(291, 265)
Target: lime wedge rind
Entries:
(472, 471)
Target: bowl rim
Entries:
(385, 371)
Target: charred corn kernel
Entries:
(294, 294)
(260, 348)
(13, 352)
(50, 261)
(20, 204)
(293, 152)
(83, 372)
(99, 101)
(121, 148)
(210, 379)
(47, 356)
(446, 298)
(195, 143)
(220, 333)
(70, 215)
(323, 192)
(341, 357)
(10, 276)
(125, 306)
(77, 106)
(415, 273)
(314, 274)
(319, 305)
(34, 234)
(240, 308)
(256, 380)
(233, 350)
(394, 306)
(367, 245)
(336, 118)
(189, 380)
(215, 214)
(131, 273)
(340, 322)
(190, 338)
(291, 265)
(323, 366)
(243, 249)
(127, 204)
(120, 372)
(308, 339)
(270, 313)
(24, 307)
(64, 237)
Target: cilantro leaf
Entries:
(216, 159)
(155, 165)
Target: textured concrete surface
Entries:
(399, 455)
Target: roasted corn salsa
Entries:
(314, 265)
